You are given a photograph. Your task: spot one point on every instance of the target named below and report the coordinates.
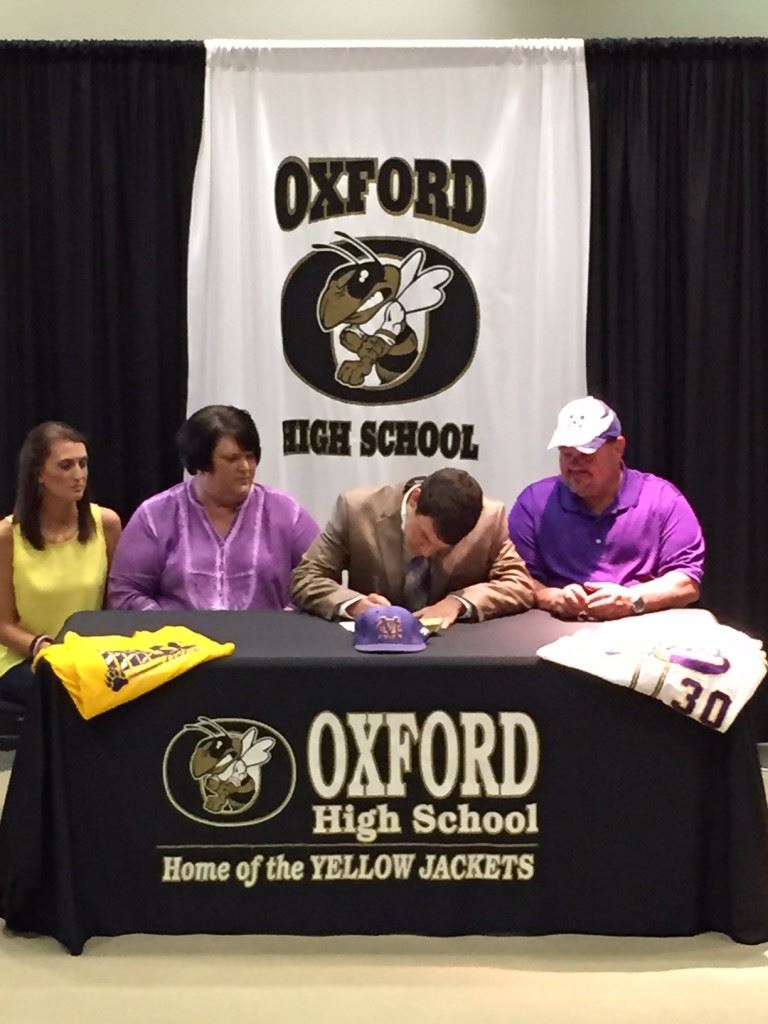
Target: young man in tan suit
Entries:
(433, 544)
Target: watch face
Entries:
(638, 606)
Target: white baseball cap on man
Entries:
(585, 424)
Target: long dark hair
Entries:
(34, 451)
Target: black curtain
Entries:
(677, 325)
(98, 143)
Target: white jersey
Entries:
(683, 657)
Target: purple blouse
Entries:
(171, 556)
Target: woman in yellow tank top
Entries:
(54, 551)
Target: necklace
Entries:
(58, 532)
(59, 536)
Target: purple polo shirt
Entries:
(648, 530)
(171, 556)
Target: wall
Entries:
(365, 19)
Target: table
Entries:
(466, 789)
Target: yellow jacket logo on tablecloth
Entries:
(228, 765)
(229, 772)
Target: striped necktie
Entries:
(416, 583)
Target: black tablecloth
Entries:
(504, 795)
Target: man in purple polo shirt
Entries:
(603, 541)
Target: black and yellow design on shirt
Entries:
(101, 672)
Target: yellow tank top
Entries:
(52, 584)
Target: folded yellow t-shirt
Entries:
(101, 672)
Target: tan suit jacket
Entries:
(365, 536)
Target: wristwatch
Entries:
(638, 605)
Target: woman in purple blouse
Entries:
(219, 540)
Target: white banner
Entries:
(388, 257)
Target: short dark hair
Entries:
(198, 437)
(453, 500)
(26, 511)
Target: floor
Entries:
(277, 980)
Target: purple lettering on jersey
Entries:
(695, 688)
(708, 663)
(706, 717)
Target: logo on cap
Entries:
(388, 629)
(585, 424)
